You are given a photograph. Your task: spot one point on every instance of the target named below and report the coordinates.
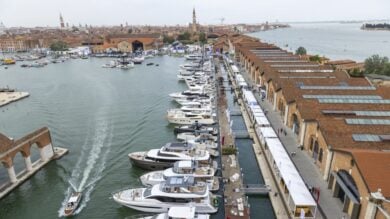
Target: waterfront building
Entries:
(129, 43)
(342, 123)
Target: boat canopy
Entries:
(181, 212)
(179, 181)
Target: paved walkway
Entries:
(235, 200)
(330, 207)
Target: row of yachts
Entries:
(183, 173)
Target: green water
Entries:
(100, 115)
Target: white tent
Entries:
(298, 194)
(235, 69)
(265, 132)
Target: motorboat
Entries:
(126, 66)
(179, 213)
(166, 156)
(196, 137)
(138, 60)
(196, 127)
(182, 118)
(111, 64)
(72, 203)
(174, 192)
(193, 57)
(189, 100)
(188, 93)
(203, 173)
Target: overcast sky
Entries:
(171, 12)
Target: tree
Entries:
(59, 46)
(300, 51)
(377, 65)
(315, 58)
(202, 38)
(184, 36)
(168, 39)
(356, 73)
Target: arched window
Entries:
(295, 124)
(320, 155)
(315, 150)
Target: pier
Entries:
(9, 97)
(10, 148)
(235, 202)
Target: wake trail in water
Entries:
(91, 163)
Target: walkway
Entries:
(330, 207)
(235, 202)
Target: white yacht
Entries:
(183, 118)
(189, 93)
(203, 173)
(166, 156)
(190, 100)
(174, 192)
(196, 137)
(179, 213)
(194, 57)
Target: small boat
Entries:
(150, 63)
(72, 203)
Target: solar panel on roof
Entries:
(366, 137)
(307, 71)
(338, 88)
(367, 121)
(357, 101)
(369, 97)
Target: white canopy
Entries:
(262, 120)
(235, 69)
(249, 98)
(266, 132)
(181, 212)
(299, 193)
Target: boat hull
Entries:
(150, 165)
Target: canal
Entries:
(259, 205)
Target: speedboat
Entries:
(179, 213)
(174, 192)
(72, 203)
(166, 156)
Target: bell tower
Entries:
(62, 24)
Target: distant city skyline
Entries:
(31, 13)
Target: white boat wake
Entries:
(90, 165)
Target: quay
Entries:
(9, 97)
(271, 187)
(235, 202)
(9, 149)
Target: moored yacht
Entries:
(174, 192)
(200, 172)
(165, 157)
(183, 118)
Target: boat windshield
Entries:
(147, 192)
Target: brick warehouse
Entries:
(342, 122)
